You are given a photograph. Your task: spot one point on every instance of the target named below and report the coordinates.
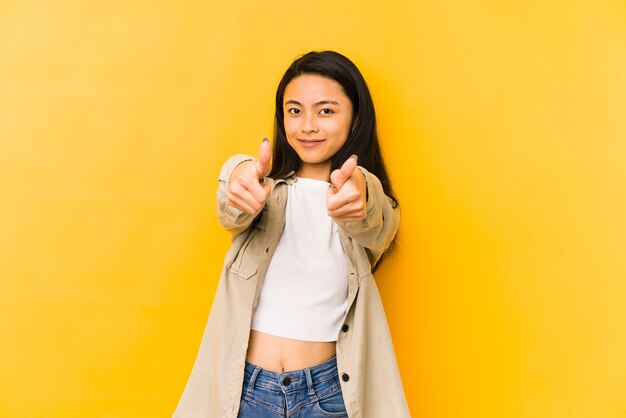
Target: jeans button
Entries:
(286, 381)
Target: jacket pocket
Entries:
(246, 262)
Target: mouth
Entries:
(310, 143)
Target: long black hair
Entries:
(362, 139)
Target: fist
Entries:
(247, 192)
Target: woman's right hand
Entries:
(247, 192)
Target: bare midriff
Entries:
(280, 354)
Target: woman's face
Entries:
(318, 118)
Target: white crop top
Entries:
(305, 292)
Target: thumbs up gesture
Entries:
(346, 198)
(247, 192)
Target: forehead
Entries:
(312, 88)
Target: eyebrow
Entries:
(322, 102)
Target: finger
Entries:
(336, 199)
(331, 200)
(244, 195)
(240, 204)
(352, 216)
(347, 219)
(353, 209)
(267, 189)
(339, 177)
(263, 167)
(258, 192)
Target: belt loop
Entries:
(309, 381)
(255, 373)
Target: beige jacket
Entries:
(371, 383)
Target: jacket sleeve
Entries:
(376, 231)
(230, 218)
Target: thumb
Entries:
(339, 177)
(263, 166)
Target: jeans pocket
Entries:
(332, 405)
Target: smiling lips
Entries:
(310, 142)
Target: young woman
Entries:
(297, 327)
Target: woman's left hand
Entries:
(346, 198)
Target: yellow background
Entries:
(503, 124)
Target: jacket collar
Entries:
(290, 179)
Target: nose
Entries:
(309, 124)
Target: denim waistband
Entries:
(291, 380)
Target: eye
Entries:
(293, 111)
(326, 111)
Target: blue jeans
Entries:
(308, 393)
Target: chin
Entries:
(313, 160)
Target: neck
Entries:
(319, 171)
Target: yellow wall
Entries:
(503, 124)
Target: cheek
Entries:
(342, 129)
(289, 127)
